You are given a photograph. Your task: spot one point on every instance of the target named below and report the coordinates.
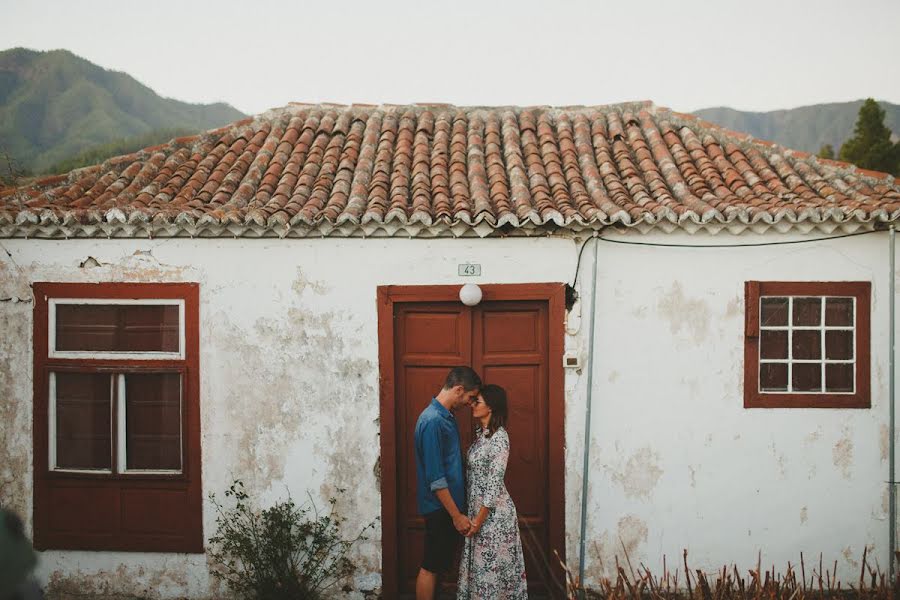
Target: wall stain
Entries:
(814, 436)
(639, 475)
(682, 312)
(884, 440)
(14, 286)
(15, 394)
(735, 307)
(122, 583)
(779, 460)
(600, 562)
(842, 455)
(803, 515)
(848, 556)
(632, 532)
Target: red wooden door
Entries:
(507, 343)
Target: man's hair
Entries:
(464, 376)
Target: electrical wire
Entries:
(751, 245)
(756, 244)
(580, 251)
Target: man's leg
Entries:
(426, 583)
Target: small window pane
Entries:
(839, 377)
(774, 312)
(806, 345)
(773, 343)
(839, 312)
(806, 377)
(773, 377)
(83, 431)
(153, 421)
(839, 345)
(117, 327)
(807, 311)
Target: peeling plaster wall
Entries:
(675, 460)
(289, 394)
(289, 373)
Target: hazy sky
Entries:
(685, 54)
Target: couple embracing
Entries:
(470, 504)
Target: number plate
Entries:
(469, 270)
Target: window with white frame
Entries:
(807, 344)
(117, 417)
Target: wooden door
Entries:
(507, 343)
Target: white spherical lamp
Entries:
(470, 294)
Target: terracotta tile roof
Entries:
(441, 170)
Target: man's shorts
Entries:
(441, 542)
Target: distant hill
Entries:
(805, 128)
(55, 105)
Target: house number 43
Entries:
(469, 270)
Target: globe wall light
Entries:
(470, 294)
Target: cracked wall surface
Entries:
(290, 401)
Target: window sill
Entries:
(807, 401)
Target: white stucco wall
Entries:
(677, 462)
(289, 393)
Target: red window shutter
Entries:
(751, 309)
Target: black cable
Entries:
(578, 262)
(821, 239)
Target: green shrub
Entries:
(282, 552)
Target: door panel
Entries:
(507, 343)
(430, 339)
(513, 353)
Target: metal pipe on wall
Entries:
(892, 486)
(587, 421)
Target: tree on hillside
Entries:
(11, 173)
(871, 147)
(826, 151)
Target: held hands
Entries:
(462, 523)
(465, 526)
(475, 528)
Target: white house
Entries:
(275, 301)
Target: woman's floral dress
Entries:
(492, 565)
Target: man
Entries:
(441, 489)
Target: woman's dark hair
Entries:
(495, 397)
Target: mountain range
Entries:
(54, 105)
(59, 111)
(805, 128)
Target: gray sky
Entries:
(685, 54)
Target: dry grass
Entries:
(813, 582)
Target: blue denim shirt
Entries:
(438, 459)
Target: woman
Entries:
(492, 565)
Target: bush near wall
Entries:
(283, 552)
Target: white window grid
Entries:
(821, 327)
(90, 354)
(120, 466)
